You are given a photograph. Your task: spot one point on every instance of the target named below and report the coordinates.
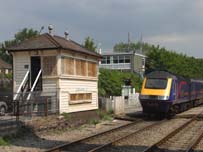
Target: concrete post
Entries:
(119, 105)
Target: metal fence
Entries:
(39, 104)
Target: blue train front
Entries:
(163, 92)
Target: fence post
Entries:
(45, 107)
(119, 105)
(17, 110)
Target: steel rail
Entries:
(171, 134)
(196, 141)
(66, 145)
(97, 149)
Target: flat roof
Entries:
(110, 52)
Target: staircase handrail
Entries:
(34, 84)
(21, 85)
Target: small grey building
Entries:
(124, 61)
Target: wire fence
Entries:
(38, 104)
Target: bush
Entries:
(94, 121)
(105, 116)
(111, 82)
(66, 115)
(4, 141)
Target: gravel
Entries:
(184, 138)
(42, 141)
(142, 140)
(106, 138)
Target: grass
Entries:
(94, 121)
(4, 141)
(105, 115)
(66, 115)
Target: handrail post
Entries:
(34, 84)
(21, 85)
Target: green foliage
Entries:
(111, 82)
(104, 115)
(4, 141)
(94, 121)
(125, 47)
(160, 58)
(66, 115)
(19, 37)
(89, 44)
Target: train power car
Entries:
(166, 93)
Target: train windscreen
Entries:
(156, 83)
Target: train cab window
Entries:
(156, 83)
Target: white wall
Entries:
(19, 71)
(68, 86)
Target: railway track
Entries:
(98, 141)
(188, 134)
(184, 138)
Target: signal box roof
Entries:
(49, 42)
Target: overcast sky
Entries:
(174, 24)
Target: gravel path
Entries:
(43, 141)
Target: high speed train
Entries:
(166, 93)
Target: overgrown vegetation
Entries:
(103, 116)
(66, 116)
(20, 36)
(4, 141)
(94, 121)
(111, 82)
(90, 44)
(160, 58)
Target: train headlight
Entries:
(163, 97)
(144, 97)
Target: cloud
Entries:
(187, 43)
(171, 23)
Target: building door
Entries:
(35, 67)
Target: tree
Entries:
(19, 37)
(137, 47)
(89, 44)
(180, 64)
(25, 34)
(111, 82)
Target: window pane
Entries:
(143, 62)
(103, 61)
(156, 83)
(80, 96)
(49, 65)
(92, 69)
(80, 67)
(115, 59)
(121, 59)
(108, 59)
(68, 66)
(127, 59)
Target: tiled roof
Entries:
(4, 65)
(46, 42)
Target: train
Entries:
(166, 93)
